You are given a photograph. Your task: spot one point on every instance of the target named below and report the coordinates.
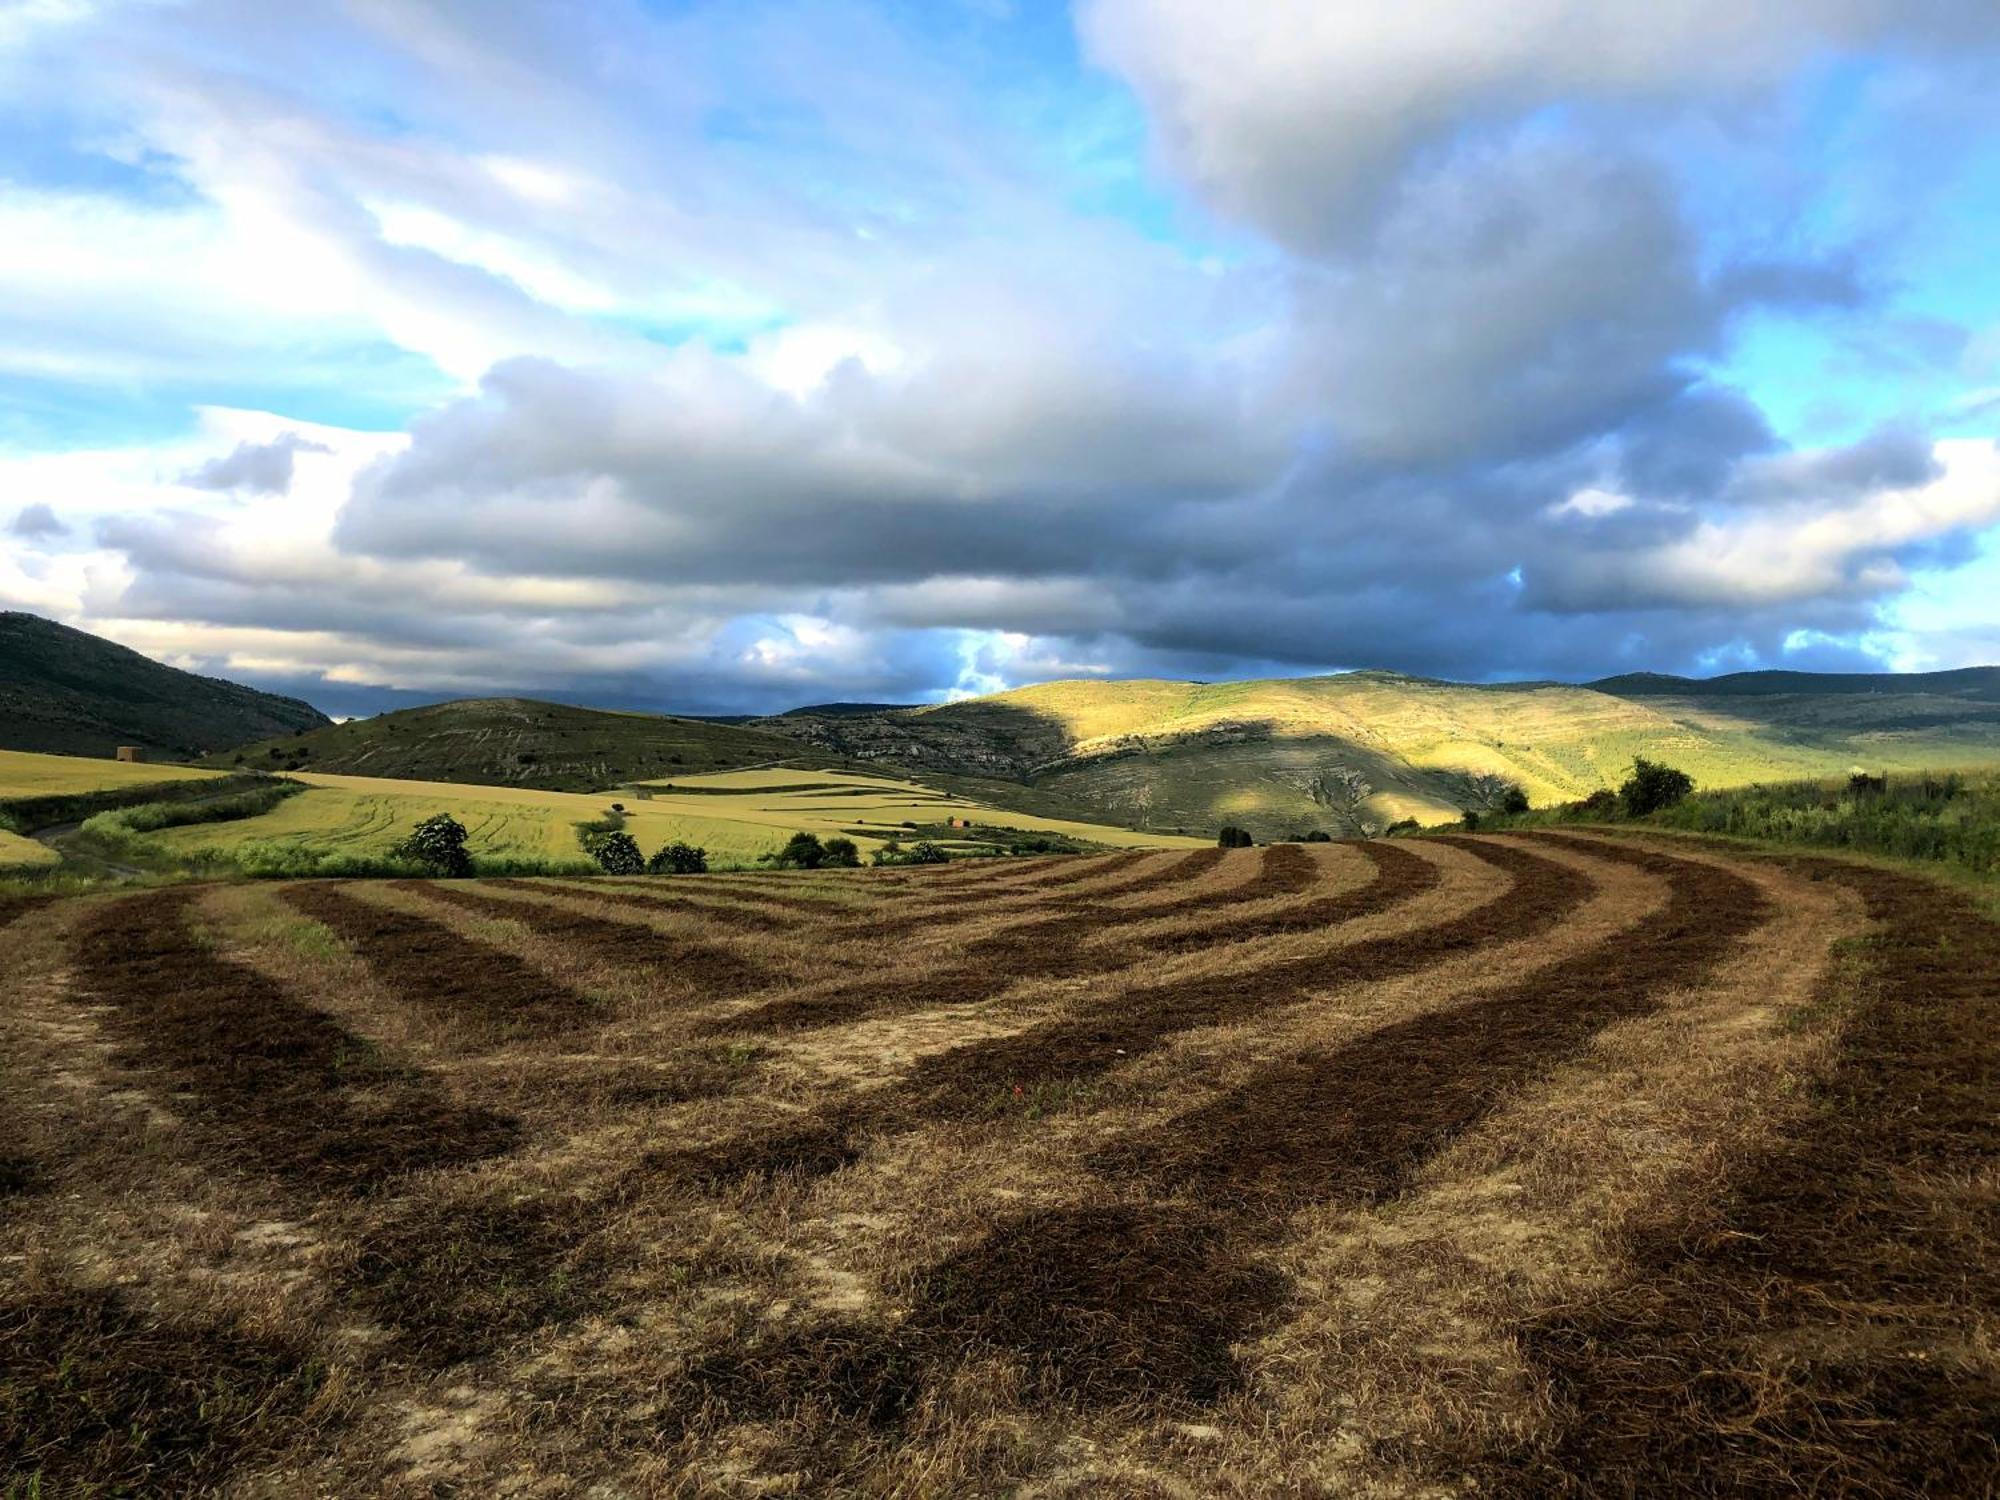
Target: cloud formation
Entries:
(783, 351)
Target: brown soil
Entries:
(277, 1087)
(444, 971)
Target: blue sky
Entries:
(731, 356)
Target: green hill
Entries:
(518, 742)
(1360, 750)
(67, 692)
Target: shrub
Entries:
(890, 853)
(1234, 838)
(1652, 786)
(1319, 836)
(1513, 801)
(1601, 803)
(924, 852)
(802, 851)
(616, 854)
(1401, 826)
(1861, 784)
(1469, 821)
(840, 854)
(438, 845)
(679, 859)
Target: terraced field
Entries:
(1521, 1165)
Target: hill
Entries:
(518, 742)
(1963, 682)
(1359, 750)
(68, 692)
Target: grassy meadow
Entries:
(29, 774)
(736, 816)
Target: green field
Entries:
(735, 816)
(18, 853)
(26, 774)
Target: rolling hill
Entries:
(71, 693)
(1360, 750)
(518, 742)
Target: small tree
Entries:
(1319, 836)
(1513, 801)
(840, 854)
(1652, 786)
(679, 859)
(617, 854)
(890, 853)
(802, 851)
(438, 844)
(924, 852)
(1234, 838)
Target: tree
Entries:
(1319, 836)
(802, 851)
(679, 859)
(1652, 786)
(617, 854)
(840, 854)
(924, 852)
(438, 844)
(1234, 838)
(1513, 801)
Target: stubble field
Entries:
(1529, 1164)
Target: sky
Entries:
(726, 357)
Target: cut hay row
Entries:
(1851, 1271)
(1066, 1186)
(713, 971)
(276, 1086)
(434, 967)
(1143, 1296)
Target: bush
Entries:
(679, 859)
(437, 845)
(1469, 821)
(616, 854)
(802, 851)
(840, 854)
(924, 852)
(1861, 784)
(1319, 836)
(1652, 786)
(1234, 838)
(1601, 803)
(1402, 826)
(1513, 801)
(890, 853)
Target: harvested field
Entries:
(1519, 1165)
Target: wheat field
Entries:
(1524, 1165)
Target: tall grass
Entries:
(1949, 818)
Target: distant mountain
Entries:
(1969, 682)
(1359, 750)
(519, 742)
(72, 693)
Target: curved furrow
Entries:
(1837, 1291)
(607, 893)
(1062, 946)
(1283, 869)
(635, 945)
(277, 1086)
(1144, 1299)
(438, 969)
(1414, 875)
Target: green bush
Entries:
(616, 853)
(678, 859)
(802, 851)
(890, 853)
(437, 845)
(1513, 802)
(1651, 787)
(840, 854)
(1234, 838)
(924, 852)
